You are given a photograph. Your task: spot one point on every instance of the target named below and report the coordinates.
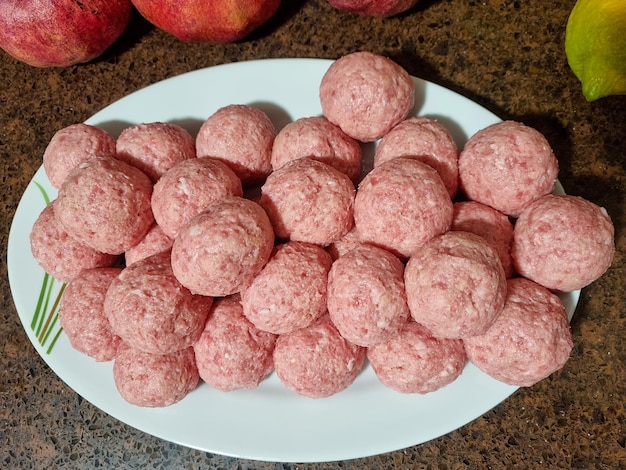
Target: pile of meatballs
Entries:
(437, 256)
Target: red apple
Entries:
(207, 20)
(382, 8)
(58, 33)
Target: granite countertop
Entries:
(506, 55)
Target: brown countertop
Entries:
(506, 55)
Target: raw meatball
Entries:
(309, 201)
(105, 204)
(232, 353)
(189, 188)
(563, 242)
(317, 361)
(151, 311)
(155, 147)
(489, 223)
(366, 94)
(428, 141)
(400, 205)
(221, 250)
(455, 285)
(72, 145)
(414, 361)
(81, 314)
(346, 243)
(366, 296)
(530, 340)
(290, 292)
(58, 253)
(154, 380)
(318, 138)
(242, 136)
(507, 166)
(155, 241)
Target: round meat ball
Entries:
(222, 249)
(232, 353)
(60, 255)
(400, 205)
(81, 314)
(105, 204)
(366, 295)
(155, 241)
(73, 145)
(455, 285)
(316, 361)
(563, 242)
(151, 311)
(507, 166)
(241, 136)
(366, 94)
(154, 380)
(414, 361)
(529, 340)
(489, 223)
(316, 137)
(189, 188)
(309, 201)
(155, 147)
(428, 141)
(290, 292)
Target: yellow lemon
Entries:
(595, 46)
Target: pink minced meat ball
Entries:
(414, 361)
(60, 255)
(189, 188)
(316, 361)
(489, 223)
(316, 137)
(529, 340)
(309, 201)
(427, 140)
(105, 204)
(241, 136)
(400, 205)
(290, 292)
(154, 380)
(81, 314)
(366, 295)
(455, 285)
(155, 241)
(366, 94)
(232, 353)
(222, 249)
(563, 242)
(507, 166)
(155, 147)
(151, 311)
(72, 145)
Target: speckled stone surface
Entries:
(508, 56)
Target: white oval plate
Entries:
(269, 423)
